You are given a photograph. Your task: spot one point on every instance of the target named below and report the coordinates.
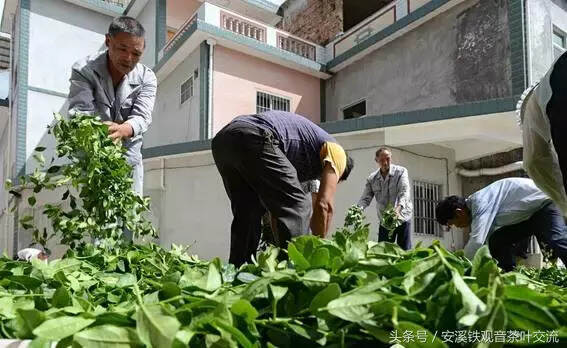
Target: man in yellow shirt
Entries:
(262, 160)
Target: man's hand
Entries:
(118, 131)
(399, 211)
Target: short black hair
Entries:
(128, 25)
(445, 209)
(382, 149)
(348, 168)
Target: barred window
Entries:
(426, 196)
(186, 90)
(559, 42)
(266, 102)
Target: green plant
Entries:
(390, 220)
(550, 275)
(341, 292)
(96, 169)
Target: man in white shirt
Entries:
(390, 186)
(505, 213)
(28, 254)
(544, 125)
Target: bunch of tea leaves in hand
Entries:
(390, 220)
(97, 169)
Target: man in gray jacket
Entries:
(390, 185)
(115, 86)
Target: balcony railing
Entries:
(176, 37)
(383, 18)
(297, 46)
(241, 25)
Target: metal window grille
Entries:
(186, 90)
(559, 42)
(266, 102)
(426, 196)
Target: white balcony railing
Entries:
(241, 25)
(299, 47)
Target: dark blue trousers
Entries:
(547, 224)
(401, 235)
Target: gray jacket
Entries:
(394, 190)
(92, 92)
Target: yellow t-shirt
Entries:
(335, 155)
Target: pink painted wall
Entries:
(238, 76)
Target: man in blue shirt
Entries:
(504, 213)
(262, 159)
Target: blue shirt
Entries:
(299, 139)
(502, 203)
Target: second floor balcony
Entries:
(193, 22)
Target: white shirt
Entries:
(28, 253)
(540, 158)
(502, 203)
(393, 189)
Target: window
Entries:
(355, 12)
(186, 90)
(559, 42)
(426, 196)
(266, 102)
(355, 110)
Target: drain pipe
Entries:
(490, 171)
(211, 44)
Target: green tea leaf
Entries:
(323, 297)
(107, 336)
(155, 328)
(354, 308)
(297, 258)
(59, 328)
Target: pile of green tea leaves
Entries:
(101, 202)
(343, 292)
(551, 275)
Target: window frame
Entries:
(271, 97)
(424, 205)
(359, 101)
(191, 90)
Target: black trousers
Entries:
(547, 224)
(556, 111)
(401, 235)
(257, 177)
